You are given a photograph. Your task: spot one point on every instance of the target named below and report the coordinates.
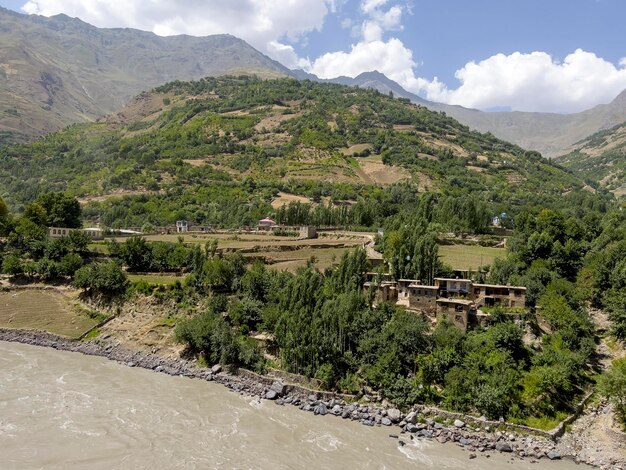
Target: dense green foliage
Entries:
(29, 251)
(256, 138)
(101, 278)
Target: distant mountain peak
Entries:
(92, 71)
(620, 100)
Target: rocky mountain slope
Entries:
(59, 70)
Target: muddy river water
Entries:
(63, 410)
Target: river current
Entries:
(63, 410)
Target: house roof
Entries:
(499, 286)
(267, 220)
(420, 286)
(451, 279)
(456, 301)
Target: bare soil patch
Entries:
(47, 310)
(378, 173)
(284, 199)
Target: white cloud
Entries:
(372, 52)
(263, 23)
(521, 81)
(391, 58)
(532, 82)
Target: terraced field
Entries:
(469, 256)
(43, 310)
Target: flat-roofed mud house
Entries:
(423, 298)
(491, 295)
(458, 311)
(384, 291)
(448, 287)
(459, 300)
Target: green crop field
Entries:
(165, 280)
(469, 256)
(43, 310)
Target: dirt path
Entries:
(596, 437)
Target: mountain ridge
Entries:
(551, 134)
(60, 70)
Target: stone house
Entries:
(384, 291)
(403, 287)
(490, 295)
(458, 311)
(308, 232)
(448, 287)
(182, 226)
(423, 298)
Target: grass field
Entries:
(165, 280)
(469, 256)
(292, 260)
(43, 310)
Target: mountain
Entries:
(183, 149)
(550, 134)
(59, 70)
(601, 158)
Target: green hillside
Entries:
(223, 150)
(602, 158)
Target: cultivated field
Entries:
(164, 280)
(43, 310)
(469, 256)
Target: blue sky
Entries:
(534, 55)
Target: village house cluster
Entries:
(460, 300)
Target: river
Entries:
(63, 410)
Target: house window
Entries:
(54, 231)
(518, 293)
(458, 308)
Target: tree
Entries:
(613, 386)
(136, 253)
(61, 210)
(105, 278)
(12, 265)
(4, 218)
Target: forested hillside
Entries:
(228, 151)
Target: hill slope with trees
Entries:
(601, 158)
(221, 150)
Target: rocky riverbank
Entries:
(478, 437)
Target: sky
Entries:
(558, 56)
